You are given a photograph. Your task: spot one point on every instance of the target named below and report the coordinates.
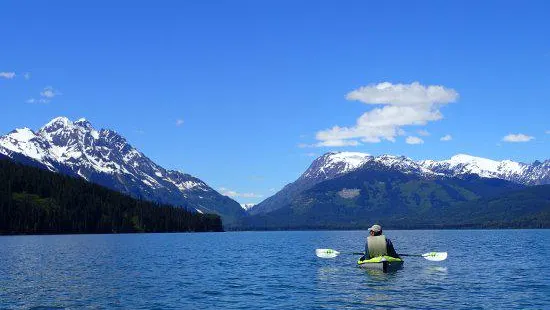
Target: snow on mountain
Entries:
(247, 206)
(461, 164)
(105, 157)
(332, 165)
(325, 167)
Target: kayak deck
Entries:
(384, 263)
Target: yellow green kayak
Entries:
(384, 263)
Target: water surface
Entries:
(486, 269)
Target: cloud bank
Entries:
(402, 105)
(230, 193)
(414, 140)
(46, 95)
(446, 138)
(517, 138)
(7, 75)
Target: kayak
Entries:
(384, 263)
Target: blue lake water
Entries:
(486, 269)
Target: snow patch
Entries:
(22, 134)
(247, 206)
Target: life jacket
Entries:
(377, 246)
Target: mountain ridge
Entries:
(378, 193)
(105, 157)
(333, 164)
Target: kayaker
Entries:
(378, 245)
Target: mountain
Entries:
(323, 168)
(378, 192)
(106, 158)
(537, 173)
(333, 165)
(247, 206)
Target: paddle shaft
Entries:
(431, 256)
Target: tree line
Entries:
(36, 201)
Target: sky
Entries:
(245, 94)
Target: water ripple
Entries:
(271, 270)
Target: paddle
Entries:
(431, 256)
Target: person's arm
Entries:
(366, 256)
(390, 249)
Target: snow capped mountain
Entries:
(527, 174)
(326, 167)
(332, 165)
(105, 157)
(247, 206)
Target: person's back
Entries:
(378, 245)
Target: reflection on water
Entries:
(436, 270)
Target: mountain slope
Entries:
(524, 208)
(332, 165)
(106, 158)
(323, 168)
(376, 193)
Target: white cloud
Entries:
(179, 122)
(27, 75)
(337, 143)
(49, 92)
(423, 132)
(231, 193)
(250, 195)
(311, 154)
(446, 138)
(46, 95)
(547, 132)
(414, 140)
(517, 138)
(331, 143)
(413, 94)
(403, 105)
(7, 75)
(40, 100)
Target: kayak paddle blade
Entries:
(435, 256)
(326, 253)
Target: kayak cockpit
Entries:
(384, 263)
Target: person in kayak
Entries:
(378, 245)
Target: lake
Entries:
(486, 269)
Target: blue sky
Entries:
(242, 93)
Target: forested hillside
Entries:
(36, 201)
(378, 194)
